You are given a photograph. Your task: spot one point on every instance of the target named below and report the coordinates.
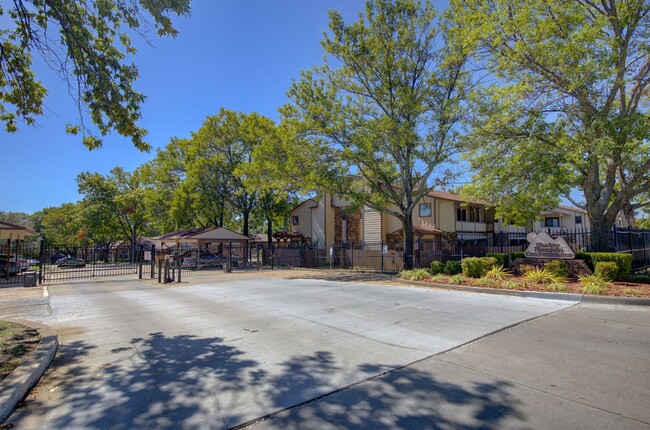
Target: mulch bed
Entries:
(618, 288)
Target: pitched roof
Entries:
(219, 234)
(14, 231)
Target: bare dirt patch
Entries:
(18, 341)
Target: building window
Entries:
(425, 210)
(295, 220)
(552, 222)
(461, 214)
(578, 219)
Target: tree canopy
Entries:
(385, 106)
(87, 44)
(564, 105)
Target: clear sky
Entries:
(240, 55)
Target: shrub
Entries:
(453, 267)
(473, 267)
(489, 262)
(542, 276)
(581, 255)
(607, 270)
(558, 267)
(632, 292)
(502, 259)
(510, 285)
(497, 273)
(457, 279)
(557, 287)
(623, 261)
(594, 284)
(515, 255)
(438, 278)
(486, 282)
(415, 274)
(437, 267)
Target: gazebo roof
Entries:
(204, 235)
(14, 231)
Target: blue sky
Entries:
(240, 55)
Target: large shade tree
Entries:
(385, 106)
(564, 105)
(87, 43)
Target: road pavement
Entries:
(219, 355)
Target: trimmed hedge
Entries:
(453, 267)
(558, 268)
(503, 260)
(489, 262)
(607, 270)
(623, 261)
(475, 267)
(515, 255)
(437, 267)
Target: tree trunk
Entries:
(601, 234)
(408, 240)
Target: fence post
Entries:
(645, 251)
(153, 261)
(501, 240)
(40, 262)
(629, 232)
(382, 255)
(160, 270)
(352, 255)
(140, 260)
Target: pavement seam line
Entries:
(499, 378)
(270, 415)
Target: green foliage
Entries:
(438, 278)
(457, 279)
(453, 267)
(558, 267)
(515, 255)
(496, 273)
(502, 260)
(473, 267)
(557, 287)
(510, 285)
(489, 262)
(542, 276)
(437, 267)
(623, 262)
(90, 52)
(386, 104)
(486, 282)
(606, 269)
(632, 292)
(594, 284)
(414, 274)
(566, 109)
(585, 256)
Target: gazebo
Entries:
(200, 237)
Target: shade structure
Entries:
(14, 231)
(203, 236)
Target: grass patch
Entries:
(557, 287)
(457, 279)
(632, 292)
(16, 342)
(594, 284)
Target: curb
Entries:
(579, 298)
(14, 387)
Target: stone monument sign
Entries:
(544, 246)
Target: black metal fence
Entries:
(23, 263)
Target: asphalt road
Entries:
(135, 354)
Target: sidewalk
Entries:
(583, 367)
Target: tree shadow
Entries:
(159, 382)
(407, 398)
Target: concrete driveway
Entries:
(219, 355)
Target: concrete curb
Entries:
(14, 387)
(580, 298)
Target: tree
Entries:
(60, 226)
(387, 108)
(19, 218)
(223, 145)
(86, 44)
(566, 107)
(117, 200)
